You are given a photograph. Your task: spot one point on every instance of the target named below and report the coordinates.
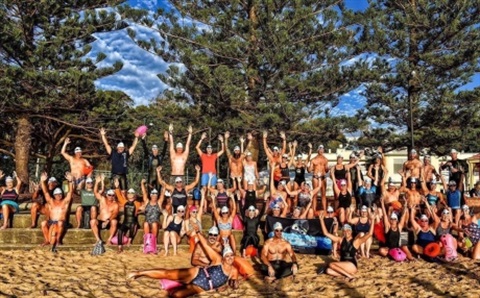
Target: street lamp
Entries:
(410, 103)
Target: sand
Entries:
(40, 273)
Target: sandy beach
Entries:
(40, 273)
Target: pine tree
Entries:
(47, 84)
(424, 51)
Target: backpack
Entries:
(149, 244)
(98, 249)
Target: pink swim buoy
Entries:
(448, 244)
(397, 254)
(168, 284)
(141, 130)
(115, 240)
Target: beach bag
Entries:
(397, 254)
(237, 223)
(115, 240)
(149, 244)
(450, 252)
(98, 249)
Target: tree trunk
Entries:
(22, 147)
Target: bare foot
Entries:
(33, 226)
(165, 254)
(269, 279)
(109, 242)
(132, 275)
(3, 227)
(45, 243)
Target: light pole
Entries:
(410, 108)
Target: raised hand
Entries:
(220, 138)
(116, 183)
(103, 131)
(249, 136)
(242, 139)
(190, 129)
(310, 146)
(170, 128)
(144, 181)
(14, 174)
(44, 177)
(159, 168)
(204, 136)
(295, 143)
(227, 134)
(2, 174)
(282, 135)
(68, 176)
(67, 141)
(197, 167)
(265, 134)
(290, 144)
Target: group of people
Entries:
(361, 203)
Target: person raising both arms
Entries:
(275, 156)
(178, 155)
(39, 204)
(224, 220)
(319, 168)
(78, 164)
(209, 160)
(300, 165)
(155, 159)
(107, 212)
(250, 170)
(179, 191)
(235, 161)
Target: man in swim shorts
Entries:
(274, 256)
(319, 168)
(78, 164)
(107, 213)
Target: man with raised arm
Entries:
(178, 155)
(209, 160)
(78, 164)
(413, 166)
(107, 213)
(155, 159)
(235, 161)
(319, 168)
(119, 160)
(58, 209)
(275, 156)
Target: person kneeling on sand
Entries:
(274, 256)
(58, 209)
(196, 280)
(107, 215)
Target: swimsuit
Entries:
(210, 278)
(362, 227)
(441, 231)
(249, 172)
(432, 199)
(250, 199)
(348, 252)
(179, 197)
(392, 238)
(129, 223)
(174, 227)
(10, 197)
(344, 200)
(303, 199)
(222, 199)
(282, 268)
(285, 172)
(152, 213)
(340, 174)
(224, 226)
(474, 232)
(425, 238)
(250, 236)
(299, 175)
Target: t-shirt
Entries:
(119, 162)
(88, 198)
(208, 163)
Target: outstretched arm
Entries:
(195, 182)
(189, 139)
(222, 149)
(199, 144)
(265, 146)
(64, 153)
(103, 132)
(229, 154)
(134, 145)
(43, 184)
(170, 140)
(284, 142)
(324, 229)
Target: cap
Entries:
(413, 151)
(330, 209)
(120, 145)
(445, 211)
(8, 179)
(131, 190)
(154, 147)
(283, 182)
(213, 230)
(227, 250)
(367, 179)
(423, 217)
(364, 208)
(320, 147)
(343, 182)
(249, 153)
(394, 216)
(347, 227)
(220, 181)
(453, 151)
(276, 206)
(154, 192)
(413, 180)
(391, 183)
(209, 146)
(110, 192)
(452, 182)
(275, 148)
(178, 179)
(465, 207)
(285, 155)
(77, 149)
(236, 148)
(277, 226)
(193, 208)
(299, 156)
(168, 194)
(224, 209)
(339, 156)
(57, 191)
(88, 180)
(52, 179)
(180, 208)
(251, 208)
(353, 155)
(179, 145)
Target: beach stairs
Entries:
(21, 236)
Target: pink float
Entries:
(448, 244)
(149, 244)
(141, 130)
(397, 254)
(168, 284)
(115, 240)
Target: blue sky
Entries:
(139, 80)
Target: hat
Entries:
(275, 148)
(88, 180)
(131, 190)
(339, 156)
(353, 155)
(330, 209)
(343, 182)
(452, 182)
(178, 179)
(227, 250)
(110, 192)
(209, 146)
(77, 149)
(423, 217)
(179, 145)
(8, 179)
(465, 207)
(252, 208)
(249, 154)
(57, 191)
(277, 226)
(413, 151)
(224, 209)
(299, 156)
(283, 182)
(413, 180)
(445, 211)
(285, 155)
(181, 208)
(220, 181)
(276, 206)
(367, 180)
(320, 147)
(364, 208)
(154, 147)
(453, 151)
(52, 179)
(213, 230)
(394, 216)
(168, 194)
(347, 227)
(120, 145)
(154, 192)
(236, 148)
(193, 208)
(391, 183)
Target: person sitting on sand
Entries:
(362, 225)
(39, 204)
(274, 256)
(8, 198)
(347, 266)
(199, 255)
(174, 231)
(251, 223)
(424, 231)
(58, 208)
(469, 239)
(444, 225)
(196, 280)
(107, 212)
(194, 218)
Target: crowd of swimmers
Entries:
(363, 205)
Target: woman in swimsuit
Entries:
(393, 228)
(444, 225)
(251, 223)
(341, 171)
(424, 231)
(300, 165)
(250, 170)
(434, 197)
(129, 225)
(173, 229)
(347, 266)
(278, 194)
(224, 220)
(220, 194)
(362, 226)
(194, 219)
(344, 197)
(8, 198)
(469, 239)
(152, 206)
(196, 280)
(303, 198)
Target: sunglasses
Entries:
(278, 231)
(178, 182)
(110, 195)
(424, 220)
(180, 211)
(213, 235)
(193, 211)
(224, 212)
